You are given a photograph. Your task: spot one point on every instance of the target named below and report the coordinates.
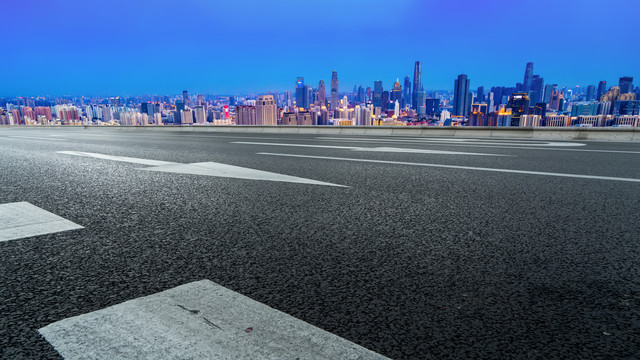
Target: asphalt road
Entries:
(409, 261)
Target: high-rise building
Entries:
(548, 90)
(300, 94)
(377, 93)
(417, 84)
(480, 97)
(461, 103)
(200, 115)
(335, 101)
(406, 92)
(266, 110)
(421, 100)
(591, 93)
(528, 77)
(602, 88)
(519, 105)
(396, 92)
(361, 97)
(185, 97)
(322, 94)
(626, 84)
(556, 101)
(432, 106)
(308, 97)
(536, 90)
(385, 100)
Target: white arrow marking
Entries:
(374, 149)
(205, 168)
(199, 320)
(22, 219)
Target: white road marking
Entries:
(465, 141)
(231, 171)
(22, 219)
(199, 320)
(118, 158)
(36, 138)
(375, 149)
(206, 169)
(460, 167)
(428, 143)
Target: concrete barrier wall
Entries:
(582, 134)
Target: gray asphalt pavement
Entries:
(456, 259)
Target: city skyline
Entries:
(242, 48)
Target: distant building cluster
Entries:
(531, 103)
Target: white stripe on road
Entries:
(459, 167)
(375, 149)
(231, 171)
(206, 169)
(118, 158)
(465, 141)
(199, 320)
(22, 219)
(430, 143)
(36, 138)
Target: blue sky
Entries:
(134, 47)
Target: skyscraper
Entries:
(548, 90)
(519, 105)
(480, 97)
(322, 94)
(406, 92)
(396, 92)
(417, 83)
(602, 88)
(626, 84)
(335, 101)
(266, 110)
(185, 98)
(591, 93)
(536, 90)
(461, 96)
(300, 92)
(528, 77)
(377, 93)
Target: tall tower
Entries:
(335, 101)
(266, 110)
(406, 93)
(528, 77)
(185, 97)
(396, 92)
(602, 88)
(322, 94)
(300, 92)
(461, 96)
(377, 93)
(417, 84)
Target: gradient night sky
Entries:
(136, 47)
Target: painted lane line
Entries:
(205, 169)
(542, 173)
(497, 147)
(375, 149)
(35, 138)
(231, 171)
(465, 141)
(199, 320)
(21, 220)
